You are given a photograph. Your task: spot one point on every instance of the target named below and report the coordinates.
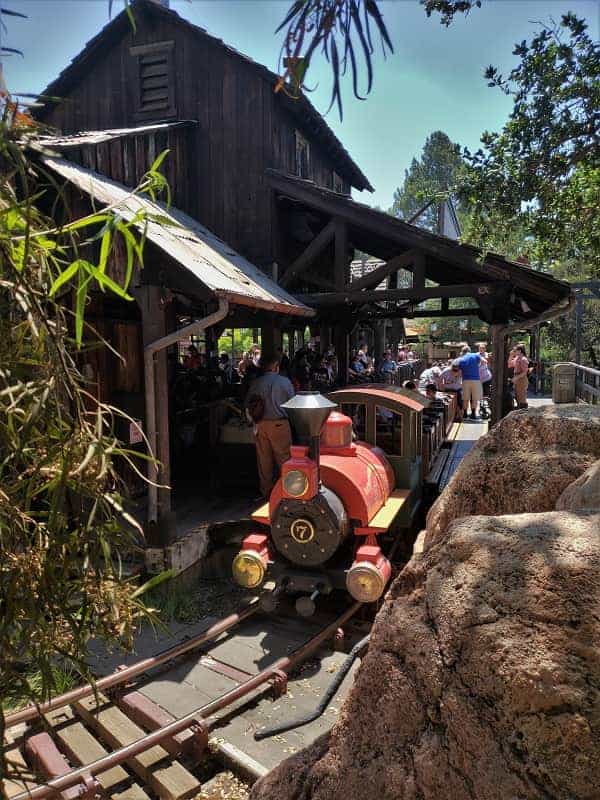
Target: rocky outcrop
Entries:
(482, 677)
(522, 465)
(584, 493)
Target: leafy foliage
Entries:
(542, 171)
(63, 528)
(328, 27)
(343, 32)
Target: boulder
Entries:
(582, 493)
(482, 677)
(522, 465)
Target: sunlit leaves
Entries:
(540, 172)
(339, 30)
(64, 528)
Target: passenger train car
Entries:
(352, 486)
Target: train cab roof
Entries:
(393, 397)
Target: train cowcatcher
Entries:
(353, 480)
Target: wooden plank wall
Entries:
(215, 168)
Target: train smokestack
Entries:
(307, 412)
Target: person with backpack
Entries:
(273, 434)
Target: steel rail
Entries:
(283, 664)
(126, 674)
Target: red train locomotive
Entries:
(357, 474)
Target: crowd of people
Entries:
(272, 379)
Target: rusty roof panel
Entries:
(109, 135)
(211, 261)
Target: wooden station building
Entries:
(264, 227)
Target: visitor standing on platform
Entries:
(272, 428)
(519, 363)
(471, 385)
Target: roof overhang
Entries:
(209, 260)
(447, 261)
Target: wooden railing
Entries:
(587, 384)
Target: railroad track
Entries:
(110, 740)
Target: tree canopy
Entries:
(541, 172)
(431, 178)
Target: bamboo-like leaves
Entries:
(329, 26)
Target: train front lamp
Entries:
(365, 582)
(295, 483)
(248, 569)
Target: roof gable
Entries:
(302, 109)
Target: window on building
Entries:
(302, 156)
(338, 184)
(155, 80)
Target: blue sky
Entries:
(432, 81)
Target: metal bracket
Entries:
(199, 729)
(89, 788)
(279, 682)
(339, 639)
(118, 690)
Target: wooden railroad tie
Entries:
(168, 778)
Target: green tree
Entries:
(541, 173)
(431, 178)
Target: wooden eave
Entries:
(447, 262)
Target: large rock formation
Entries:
(584, 493)
(522, 465)
(482, 678)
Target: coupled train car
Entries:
(353, 484)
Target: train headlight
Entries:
(295, 483)
(365, 582)
(248, 569)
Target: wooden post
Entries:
(498, 337)
(418, 276)
(342, 351)
(341, 254)
(154, 326)
(271, 338)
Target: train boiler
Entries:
(354, 475)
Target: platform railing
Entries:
(587, 384)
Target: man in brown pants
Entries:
(272, 430)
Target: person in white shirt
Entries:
(451, 381)
(430, 375)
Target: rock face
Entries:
(482, 680)
(584, 493)
(522, 465)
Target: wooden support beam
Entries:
(317, 280)
(499, 368)
(418, 276)
(341, 254)
(305, 259)
(383, 295)
(407, 313)
(377, 275)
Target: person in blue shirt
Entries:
(471, 385)
(387, 367)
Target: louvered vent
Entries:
(155, 80)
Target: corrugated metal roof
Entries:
(216, 265)
(98, 137)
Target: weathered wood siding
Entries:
(215, 168)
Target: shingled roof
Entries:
(304, 111)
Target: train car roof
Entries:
(391, 395)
